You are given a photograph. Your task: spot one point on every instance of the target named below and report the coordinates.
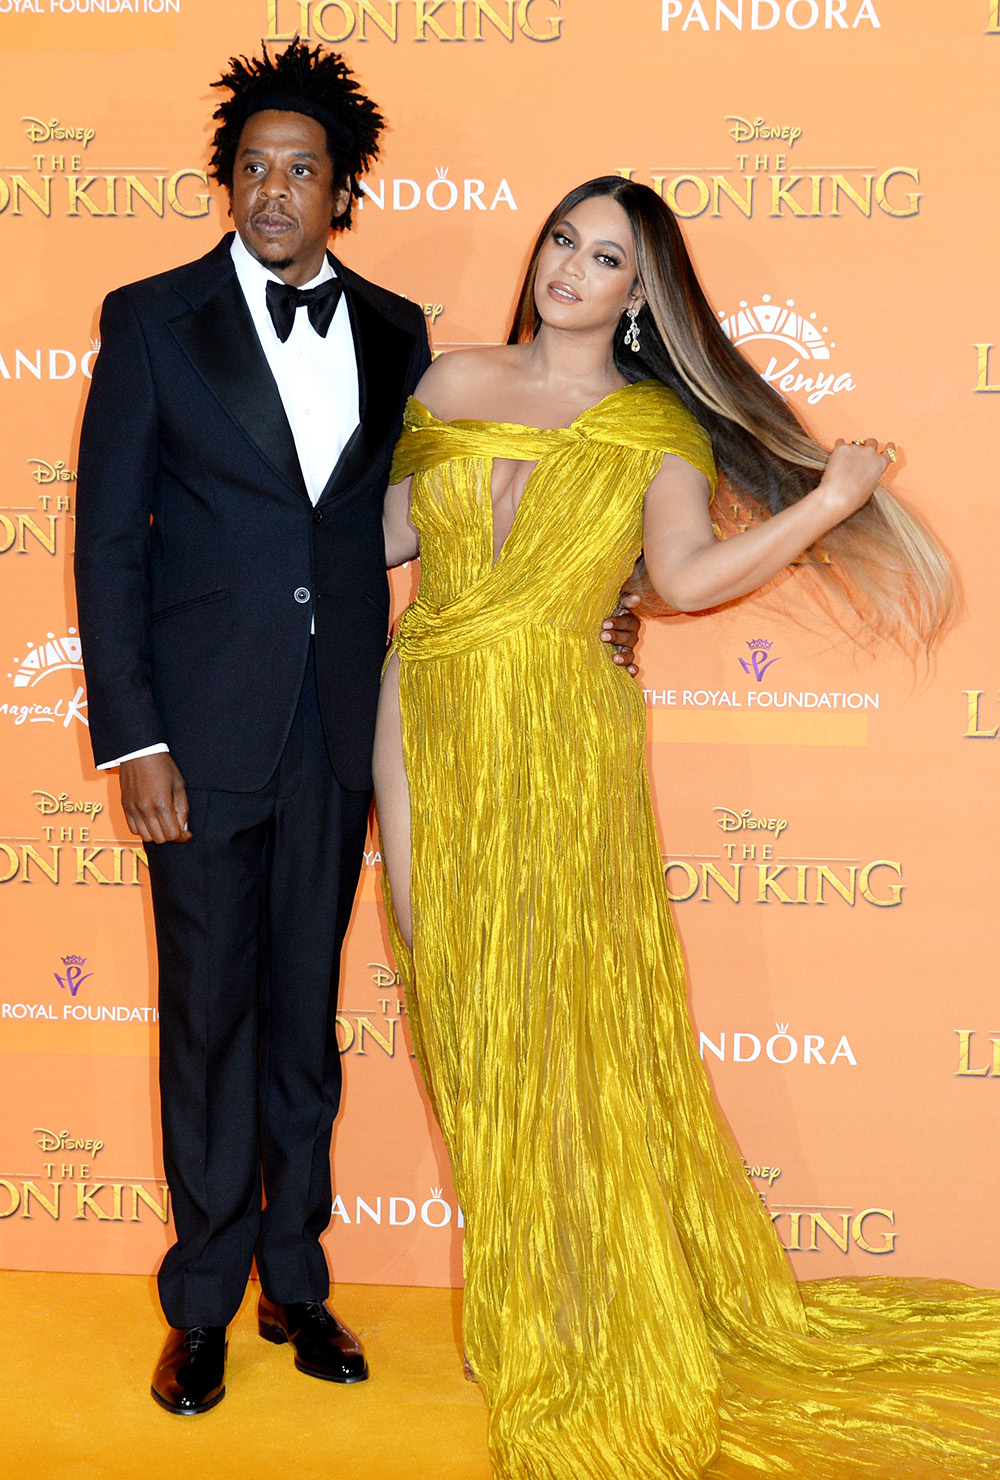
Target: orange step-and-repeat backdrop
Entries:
(828, 822)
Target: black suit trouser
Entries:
(250, 918)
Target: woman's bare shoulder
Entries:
(458, 384)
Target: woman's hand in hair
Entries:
(853, 472)
(691, 570)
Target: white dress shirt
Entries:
(317, 380)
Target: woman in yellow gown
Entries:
(628, 1309)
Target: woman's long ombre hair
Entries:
(883, 561)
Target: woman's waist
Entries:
(414, 643)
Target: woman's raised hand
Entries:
(853, 473)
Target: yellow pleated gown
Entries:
(628, 1308)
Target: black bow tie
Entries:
(321, 302)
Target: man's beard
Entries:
(279, 264)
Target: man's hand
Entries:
(154, 798)
(622, 628)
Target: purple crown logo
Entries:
(758, 662)
(75, 974)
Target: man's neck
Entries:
(296, 272)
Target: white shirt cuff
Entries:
(134, 755)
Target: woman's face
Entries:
(586, 276)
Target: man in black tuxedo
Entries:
(233, 606)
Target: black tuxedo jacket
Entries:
(195, 532)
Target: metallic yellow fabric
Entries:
(628, 1308)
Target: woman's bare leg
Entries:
(392, 799)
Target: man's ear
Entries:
(341, 196)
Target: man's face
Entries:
(284, 195)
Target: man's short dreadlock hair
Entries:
(299, 80)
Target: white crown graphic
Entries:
(767, 320)
(48, 657)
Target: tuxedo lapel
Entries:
(383, 353)
(219, 338)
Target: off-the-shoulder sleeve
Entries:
(653, 417)
(687, 438)
(411, 447)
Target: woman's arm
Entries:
(692, 570)
(401, 539)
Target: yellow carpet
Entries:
(78, 1351)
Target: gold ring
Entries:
(858, 442)
(890, 453)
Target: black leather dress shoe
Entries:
(190, 1376)
(323, 1346)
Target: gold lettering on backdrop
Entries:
(485, 10)
(912, 198)
(424, 17)
(690, 888)
(839, 1227)
(983, 351)
(336, 21)
(15, 528)
(728, 886)
(200, 204)
(879, 883)
(689, 207)
(841, 185)
(50, 1206)
(858, 1231)
(894, 891)
(160, 1208)
(781, 194)
(386, 1042)
(975, 730)
(101, 1202)
(691, 193)
(826, 875)
(63, 1141)
(88, 1200)
(42, 199)
(988, 1069)
(45, 133)
(13, 1196)
(993, 18)
(46, 472)
(134, 187)
(554, 22)
(837, 1236)
(78, 195)
(118, 864)
(387, 24)
(106, 195)
(767, 883)
(723, 187)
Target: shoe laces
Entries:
(316, 1311)
(196, 1337)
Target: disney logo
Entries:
(46, 472)
(769, 1175)
(383, 976)
(746, 130)
(63, 1141)
(48, 804)
(44, 133)
(745, 821)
